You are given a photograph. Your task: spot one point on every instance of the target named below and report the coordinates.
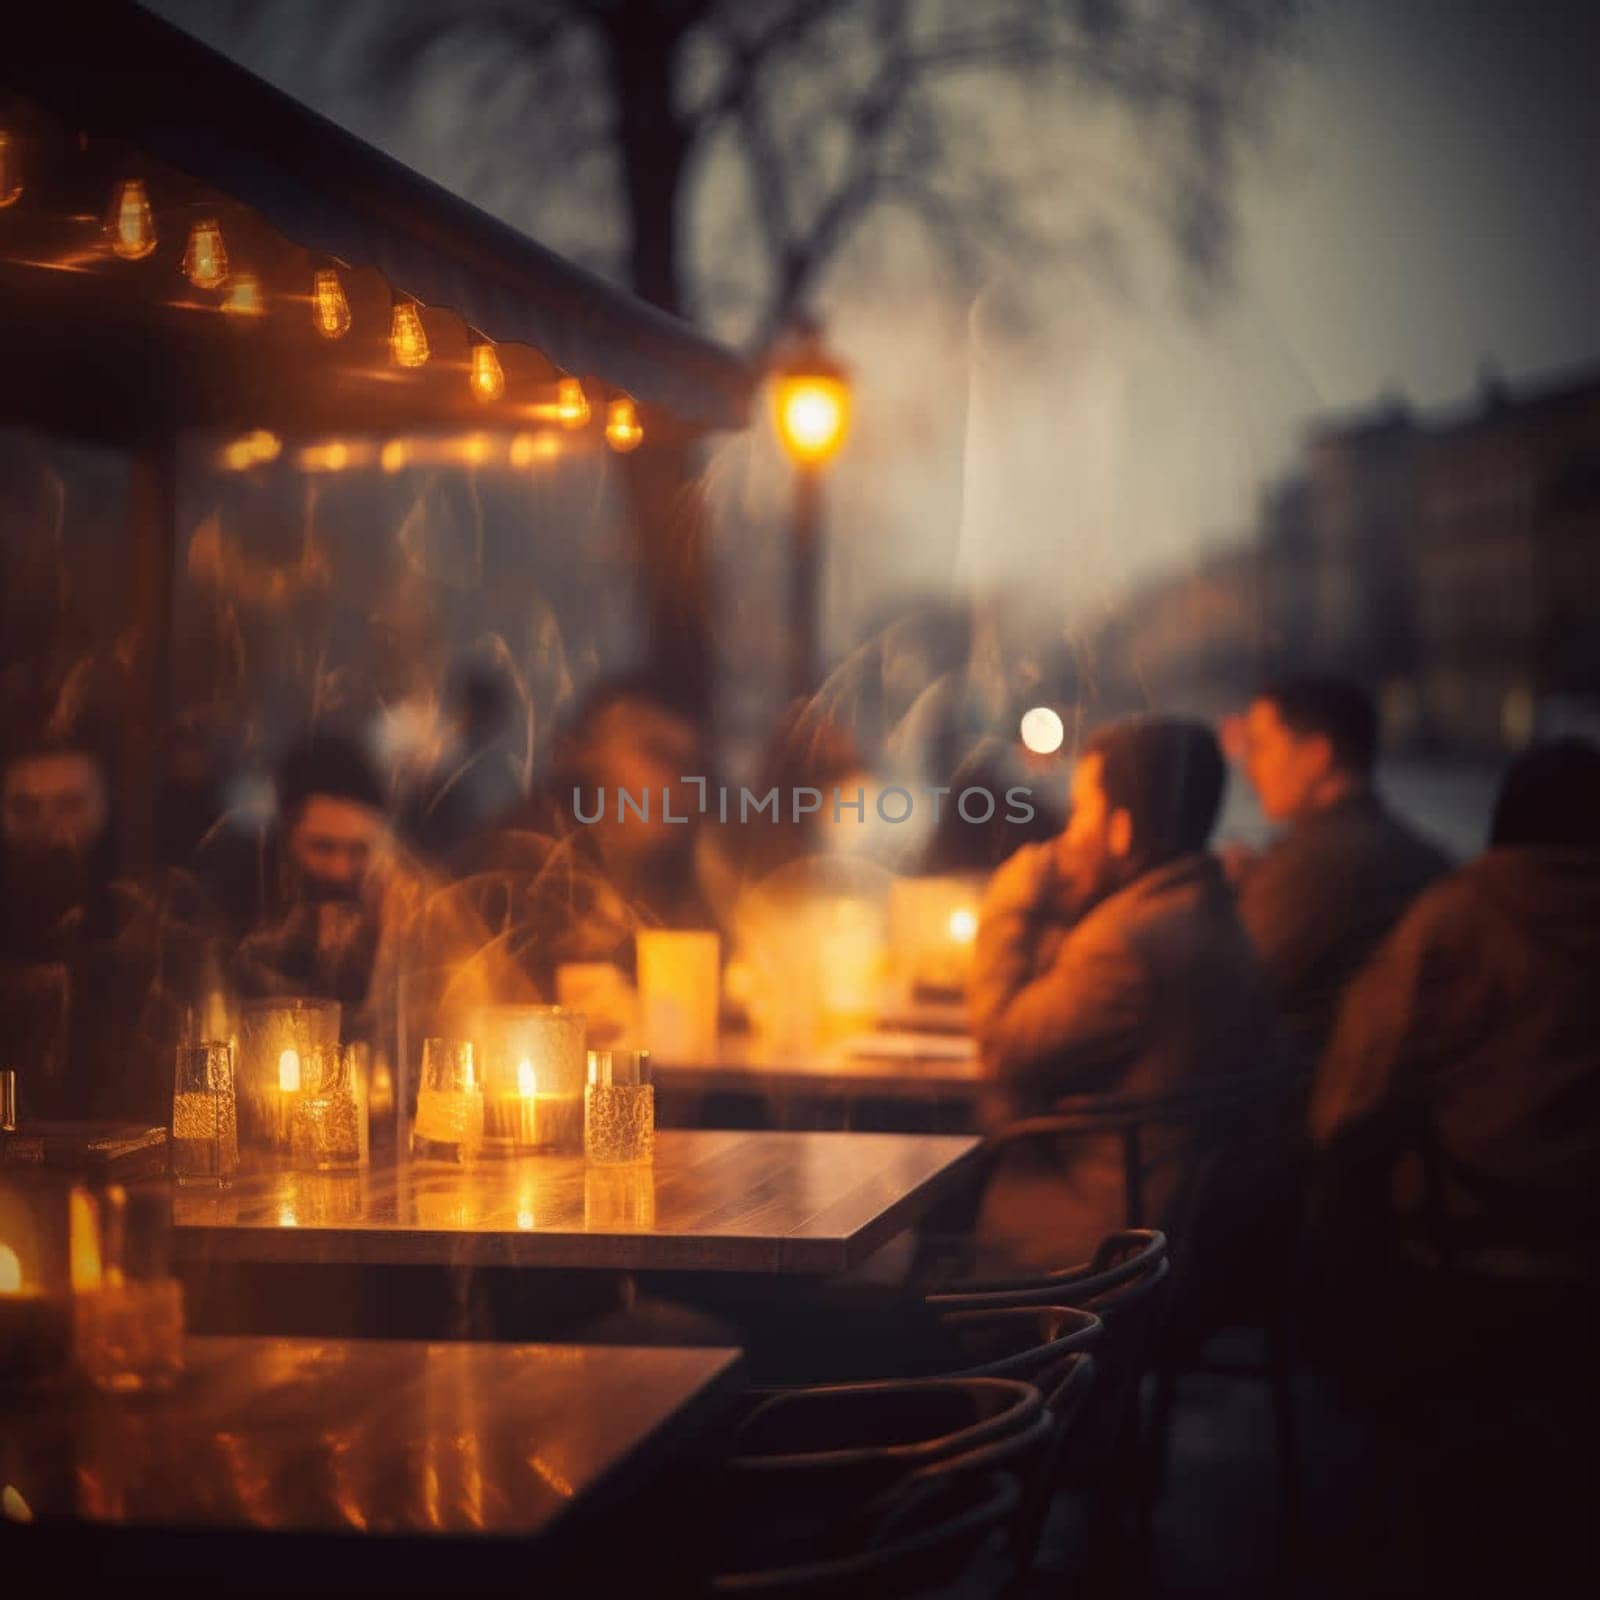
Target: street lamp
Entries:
(811, 409)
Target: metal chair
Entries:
(934, 1534)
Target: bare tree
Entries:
(826, 112)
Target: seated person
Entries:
(95, 969)
(1111, 959)
(1344, 869)
(1477, 1024)
(321, 935)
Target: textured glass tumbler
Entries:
(325, 1124)
(449, 1125)
(205, 1129)
(619, 1108)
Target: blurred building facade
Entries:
(1451, 563)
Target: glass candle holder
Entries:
(327, 1119)
(205, 1130)
(449, 1122)
(533, 1077)
(619, 1113)
(35, 1280)
(277, 1039)
(679, 992)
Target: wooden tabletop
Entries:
(371, 1436)
(888, 1066)
(712, 1201)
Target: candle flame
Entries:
(527, 1080)
(12, 1505)
(963, 925)
(289, 1072)
(10, 1271)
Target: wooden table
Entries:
(787, 1204)
(326, 1436)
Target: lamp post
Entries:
(811, 408)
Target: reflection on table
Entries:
(370, 1436)
(712, 1201)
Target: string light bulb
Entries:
(408, 341)
(488, 380)
(244, 298)
(205, 257)
(130, 221)
(330, 308)
(572, 404)
(623, 432)
(10, 171)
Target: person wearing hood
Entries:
(1111, 959)
(1479, 1021)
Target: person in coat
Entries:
(1344, 869)
(1111, 959)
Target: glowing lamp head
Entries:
(330, 310)
(527, 1080)
(1042, 730)
(572, 404)
(488, 380)
(963, 925)
(130, 222)
(623, 430)
(244, 297)
(408, 343)
(289, 1072)
(205, 258)
(10, 1271)
(10, 171)
(813, 415)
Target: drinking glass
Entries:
(619, 1108)
(449, 1124)
(326, 1121)
(205, 1130)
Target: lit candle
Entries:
(35, 1325)
(533, 1090)
(284, 1097)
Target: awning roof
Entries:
(115, 72)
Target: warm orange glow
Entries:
(12, 1505)
(408, 343)
(10, 1271)
(572, 404)
(527, 1080)
(131, 223)
(289, 1072)
(205, 258)
(813, 415)
(83, 1235)
(475, 449)
(331, 312)
(488, 381)
(10, 171)
(623, 431)
(244, 298)
(331, 457)
(527, 448)
(963, 925)
(394, 456)
(1042, 731)
(252, 449)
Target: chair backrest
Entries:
(940, 1525)
(810, 1455)
(1030, 1343)
(1129, 1256)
